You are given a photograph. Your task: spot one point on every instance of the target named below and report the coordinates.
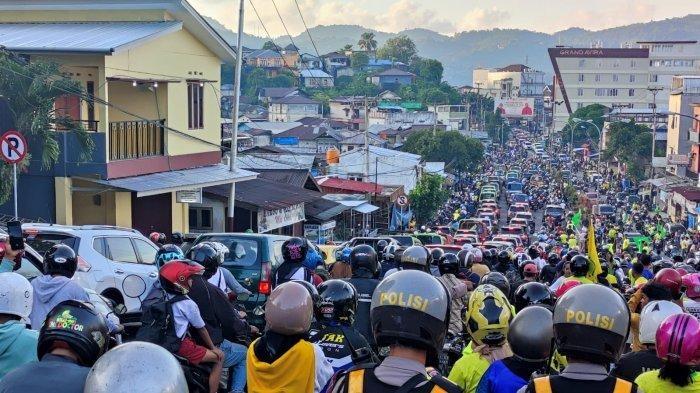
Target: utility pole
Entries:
(366, 174)
(479, 106)
(654, 91)
(233, 155)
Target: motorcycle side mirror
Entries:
(242, 297)
(120, 309)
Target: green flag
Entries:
(661, 230)
(576, 219)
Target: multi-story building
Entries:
(607, 76)
(668, 59)
(454, 117)
(683, 144)
(150, 71)
(293, 108)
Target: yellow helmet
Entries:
(488, 315)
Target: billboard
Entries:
(515, 107)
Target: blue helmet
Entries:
(168, 253)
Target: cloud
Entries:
(407, 14)
(616, 14)
(480, 18)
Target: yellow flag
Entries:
(594, 269)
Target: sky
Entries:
(445, 16)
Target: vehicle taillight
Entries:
(264, 285)
(83, 265)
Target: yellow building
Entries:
(151, 71)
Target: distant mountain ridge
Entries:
(467, 50)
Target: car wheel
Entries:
(114, 295)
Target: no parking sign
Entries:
(13, 149)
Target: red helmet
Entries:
(566, 286)
(671, 280)
(175, 276)
(691, 282)
(157, 237)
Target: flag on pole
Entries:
(594, 268)
(576, 219)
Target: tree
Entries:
(270, 45)
(399, 48)
(359, 60)
(495, 126)
(428, 196)
(346, 48)
(367, 42)
(631, 144)
(30, 91)
(430, 70)
(583, 133)
(458, 152)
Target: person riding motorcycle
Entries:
(505, 266)
(282, 359)
(365, 267)
(167, 253)
(136, 365)
(412, 346)
(533, 293)
(214, 253)
(591, 323)
(17, 343)
(55, 286)
(449, 268)
(435, 255)
(71, 340)
(548, 273)
(678, 347)
(294, 252)
(487, 321)
(632, 364)
(342, 344)
(691, 302)
(530, 339)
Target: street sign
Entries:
(13, 147)
(189, 196)
(402, 200)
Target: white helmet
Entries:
(467, 246)
(16, 295)
(651, 317)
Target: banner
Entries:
(400, 218)
(269, 220)
(515, 107)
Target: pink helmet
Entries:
(691, 282)
(678, 340)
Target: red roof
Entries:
(335, 183)
(688, 192)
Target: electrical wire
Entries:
(307, 30)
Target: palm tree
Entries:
(367, 42)
(346, 48)
(29, 91)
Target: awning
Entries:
(365, 208)
(323, 209)
(184, 179)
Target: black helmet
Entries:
(168, 253)
(579, 266)
(381, 244)
(207, 256)
(591, 322)
(416, 258)
(570, 255)
(77, 325)
(498, 280)
(504, 257)
(177, 238)
(553, 258)
(337, 301)
(533, 252)
(604, 267)
(294, 250)
(531, 333)
(448, 264)
(466, 259)
(364, 257)
(532, 293)
(61, 260)
(414, 296)
(435, 255)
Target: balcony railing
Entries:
(88, 125)
(136, 139)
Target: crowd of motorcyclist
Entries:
(549, 316)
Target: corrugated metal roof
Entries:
(185, 179)
(314, 74)
(275, 161)
(103, 37)
(266, 194)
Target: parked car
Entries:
(406, 240)
(117, 263)
(253, 259)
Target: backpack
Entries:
(158, 324)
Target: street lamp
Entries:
(578, 121)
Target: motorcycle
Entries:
(451, 352)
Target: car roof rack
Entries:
(82, 227)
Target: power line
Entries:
(307, 30)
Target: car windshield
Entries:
(242, 252)
(554, 211)
(607, 209)
(42, 242)
(404, 241)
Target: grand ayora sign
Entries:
(515, 107)
(269, 220)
